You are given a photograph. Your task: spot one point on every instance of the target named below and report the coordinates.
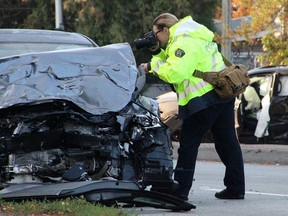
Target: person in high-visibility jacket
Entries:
(184, 46)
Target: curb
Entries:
(262, 154)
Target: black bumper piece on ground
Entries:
(106, 192)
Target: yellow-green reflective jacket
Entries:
(190, 47)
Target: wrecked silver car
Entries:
(73, 123)
(262, 109)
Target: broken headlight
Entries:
(146, 121)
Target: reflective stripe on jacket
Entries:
(190, 47)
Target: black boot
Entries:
(229, 194)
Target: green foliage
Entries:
(42, 16)
(13, 12)
(120, 20)
(276, 50)
(269, 16)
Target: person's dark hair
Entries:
(165, 20)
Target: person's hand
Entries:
(145, 67)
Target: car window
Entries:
(256, 98)
(9, 49)
(283, 86)
(264, 85)
(259, 87)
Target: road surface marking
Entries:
(248, 192)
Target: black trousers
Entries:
(220, 120)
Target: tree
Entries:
(123, 21)
(239, 8)
(275, 44)
(42, 15)
(12, 13)
(269, 16)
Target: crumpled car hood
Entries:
(88, 77)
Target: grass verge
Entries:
(67, 207)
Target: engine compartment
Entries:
(56, 142)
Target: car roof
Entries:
(40, 35)
(269, 69)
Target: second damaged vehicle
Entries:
(73, 123)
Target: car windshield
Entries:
(9, 49)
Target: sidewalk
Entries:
(264, 154)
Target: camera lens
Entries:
(141, 42)
(148, 40)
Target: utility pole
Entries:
(226, 25)
(59, 15)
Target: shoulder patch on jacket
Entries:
(179, 53)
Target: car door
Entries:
(278, 125)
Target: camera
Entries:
(148, 40)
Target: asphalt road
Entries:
(266, 176)
(266, 192)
